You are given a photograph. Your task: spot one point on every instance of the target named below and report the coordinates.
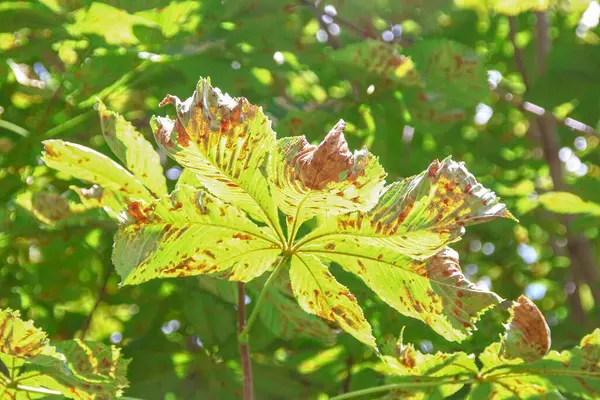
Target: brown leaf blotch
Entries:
(529, 320)
(330, 161)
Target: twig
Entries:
(536, 110)
(244, 346)
(451, 380)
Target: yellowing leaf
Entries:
(414, 220)
(308, 180)
(527, 333)
(188, 233)
(73, 369)
(133, 150)
(573, 372)
(418, 216)
(319, 293)
(89, 165)
(411, 365)
(225, 141)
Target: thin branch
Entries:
(451, 380)
(536, 110)
(244, 346)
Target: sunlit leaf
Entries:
(189, 233)
(410, 365)
(319, 293)
(73, 369)
(415, 219)
(573, 372)
(136, 153)
(305, 177)
(90, 166)
(225, 141)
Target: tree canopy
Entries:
(299, 199)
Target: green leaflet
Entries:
(225, 141)
(308, 180)
(89, 165)
(188, 233)
(133, 150)
(452, 69)
(73, 369)
(558, 375)
(319, 293)
(527, 333)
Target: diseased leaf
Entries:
(319, 293)
(73, 369)
(411, 365)
(188, 233)
(89, 165)
(225, 141)
(431, 110)
(527, 333)
(572, 372)
(416, 217)
(378, 59)
(451, 68)
(414, 220)
(47, 207)
(304, 178)
(133, 150)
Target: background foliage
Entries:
(414, 80)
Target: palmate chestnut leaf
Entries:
(223, 217)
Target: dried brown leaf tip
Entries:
(330, 161)
(527, 334)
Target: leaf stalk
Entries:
(243, 335)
